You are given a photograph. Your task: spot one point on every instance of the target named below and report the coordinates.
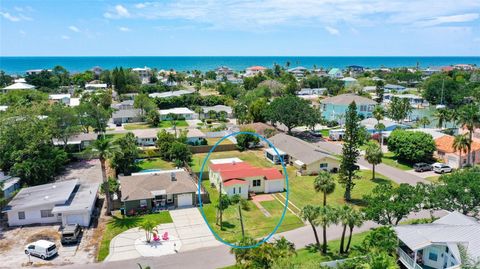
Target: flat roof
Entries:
(82, 198)
(176, 110)
(226, 160)
(272, 151)
(53, 193)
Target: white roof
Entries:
(195, 133)
(58, 96)
(84, 197)
(3, 108)
(349, 79)
(370, 123)
(435, 133)
(272, 151)
(453, 229)
(226, 160)
(19, 86)
(177, 110)
(95, 85)
(74, 101)
(169, 94)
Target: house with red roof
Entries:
(233, 176)
(254, 70)
(454, 158)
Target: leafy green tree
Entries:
(461, 143)
(458, 191)
(290, 110)
(382, 239)
(373, 155)
(399, 109)
(257, 110)
(387, 205)
(64, 123)
(164, 143)
(180, 153)
(114, 186)
(123, 160)
(144, 103)
(350, 150)
(442, 88)
(153, 118)
(5, 79)
(23, 98)
(246, 141)
(379, 90)
(411, 146)
(469, 117)
(324, 183)
(105, 150)
(310, 214)
(223, 203)
(26, 148)
(265, 255)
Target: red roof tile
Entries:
(243, 170)
(234, 182)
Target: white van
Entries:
(41, 248)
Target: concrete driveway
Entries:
(192, 229)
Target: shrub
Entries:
(411, 146)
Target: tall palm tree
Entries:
(326, 216)
(441, 115)
(355, 219)
(378, 113)
(324, 183)
(373, 155)
(461, 143)
(424, 121)
(380, 127)
(105, 150)
(343, 216)
(469, 117)
(310, 214)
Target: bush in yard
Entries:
(411, 146)
(245, 141)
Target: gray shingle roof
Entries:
(141, 186)
(346, 99)
(127, 113)
(297, 148)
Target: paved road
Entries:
(393, 173)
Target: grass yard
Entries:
(134, 126)
(325, 132)
(302, 192)
(155, 163)
(253, 157)
(117, 225)
(389, 159)
(114, 137)
(168, 124)
(213, 141)
(433, 179)
(256, 224)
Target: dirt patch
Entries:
(46, 234)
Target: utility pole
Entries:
(241, 220)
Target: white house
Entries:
(395, 88)
(233, 176)
(96, 86)
(9, 185)
(181, 112)
(60, 98)
(169, 94)
(438, 245)
(335, 73)
(307, 158)
(217, 109)
(66, 202)
(254, 70)
(127, 116)
(19, 86)
(144, 74)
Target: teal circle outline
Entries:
(200, 196)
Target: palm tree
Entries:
(441, 115)
(174, 120)
(310, 214)
(461, 143)
(105, 150)
(373, 155)
(355, 219)
(343, 216)
(380, 127)
(326, 216)
(469, 117)
(148, 226)
(378, 113)
(424, 121)
(324, 183)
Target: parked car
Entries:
(41, 248)
(422, 167)
(71, 234)
(441, 168)
(315, 133)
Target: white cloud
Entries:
(65, 37)
(118, 11)
(9, 16)
(140, 5)
(468, 17)
(74, 28)
(124, 29)
(332, 31)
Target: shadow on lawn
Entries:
(127, 222)
(381, 181)
(331, 255)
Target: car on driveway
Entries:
(41, 248)
(422, 167)
(71, 234)
(441, 168)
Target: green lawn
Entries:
(141, 125)
(433, 179)
(256, 224)
(302, 192)
(168, 124)
(114, 137)
(389, 159)
(118, 225)
(155, 163)
(213, 141)
(325, 132)
(310, 258)
(253, 157)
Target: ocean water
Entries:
(18, 65)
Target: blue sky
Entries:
(228, 27)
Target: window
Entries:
(239, 189)
(257, 182)
(233, 190)
(324, 166)
(46, 213)
(143, 203)
(21, 215)
(433, 256)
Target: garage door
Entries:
(78, 218)
(184, 199)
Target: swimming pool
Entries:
(149, 170)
